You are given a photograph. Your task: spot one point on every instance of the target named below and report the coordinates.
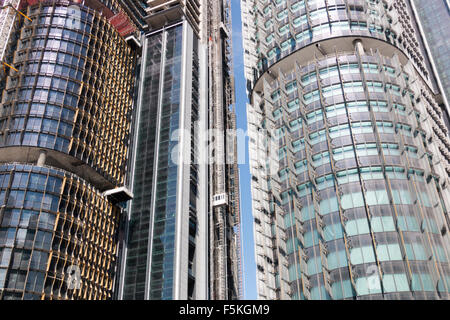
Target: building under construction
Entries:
(162, 73)
(65, 117)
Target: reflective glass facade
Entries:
(289, 26)
(65, 118)
(163, 222)
(350, 195)
(52, 220)
(159, 120)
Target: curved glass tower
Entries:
(65, 118)
(349, 153)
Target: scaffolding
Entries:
(8, 15)
(225, 242)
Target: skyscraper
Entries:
(349, 152)
(182, 238)
(65, 119)
(433, 21)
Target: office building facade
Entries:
(65, 120)
(182, 238)
(349, 152)
(433, 23)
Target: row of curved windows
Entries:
(44, 125)
(86, 20)
(53, 82)
(295, 6)
(30, 200)
(66, 33)
(366, 173)
(360, 128)
(373, 198)
(352, 175)
(366, 149)
(60, 57)
(405, 222)
(339, 109)
(317, 23)
(346, 88)
(57, 44)
(85, 14)
(23, 218)
(357, 110)
(343, 69)
(392, 283)
(45, 110)
(54, 68)
(389, 251)
(397, 282)
(324, 29)
(42, 140)
(44, 95)
(350, 152)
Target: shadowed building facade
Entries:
(349, 152)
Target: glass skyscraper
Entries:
(65, 120)
(157, 182)
(182, 238)
(349, 152)
(433, 19)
